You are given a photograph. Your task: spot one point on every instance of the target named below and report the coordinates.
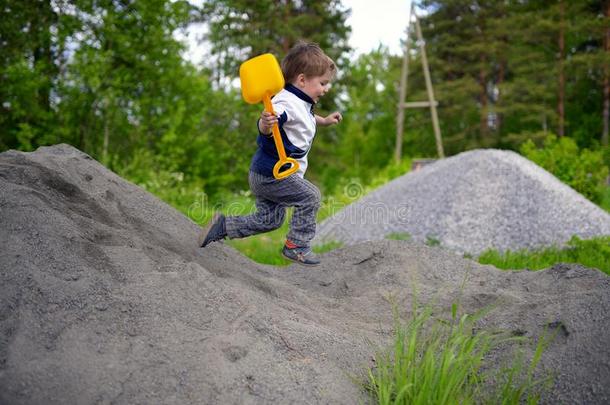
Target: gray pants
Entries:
(272, 198)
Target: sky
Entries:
(373, 22)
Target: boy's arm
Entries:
(330, 119)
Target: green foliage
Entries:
(466, 48)
(583, 170)
(435, 361)
(592, 253)
(109, 78)
(25, 112)
(240, 29)
(496, 68)
(150, 172)
(363, 144)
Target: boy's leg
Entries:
(296, 192)
(269, 213)
(268, 216)
(306, 206)
(272, 197)
(305, 197)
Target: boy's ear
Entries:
(300, 80)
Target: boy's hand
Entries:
(330, 119)
(333, 118)
(266, 122)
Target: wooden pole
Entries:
(424, 59)
(404, 74)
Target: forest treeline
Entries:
(110, 77)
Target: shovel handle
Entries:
(294, 166)
(277, 138)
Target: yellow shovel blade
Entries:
(259, 76)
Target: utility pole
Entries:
(404, 76)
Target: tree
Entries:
(241, 29)
(506, 70)
(593, 57)
(33, 36)
(362, 144)
(107, 76)
(464, 41)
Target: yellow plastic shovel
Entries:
(261, 78)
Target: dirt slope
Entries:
(104, 298)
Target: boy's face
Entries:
(316, 86)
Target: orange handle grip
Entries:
(277, 138)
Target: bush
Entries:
(170, 185)
(583, 170)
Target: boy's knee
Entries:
(273, 222)
(314, 197)
(276, 224)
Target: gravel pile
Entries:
(471, 202)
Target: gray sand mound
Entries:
(104, 298)
(472, 202)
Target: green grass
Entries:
(398, 236)
(435, 361)
(593, 253)
(432, 241)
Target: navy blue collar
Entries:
(299, 93)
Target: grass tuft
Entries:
(432, 241)
(435, 361)
(398, 236)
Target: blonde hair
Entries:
(307, 58)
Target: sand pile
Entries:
(104, 298)
(469, 203)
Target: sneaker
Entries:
(301, 255)
(215, 230)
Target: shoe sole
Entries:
(206, 229)
(299, 262)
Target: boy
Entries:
(307, 73)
